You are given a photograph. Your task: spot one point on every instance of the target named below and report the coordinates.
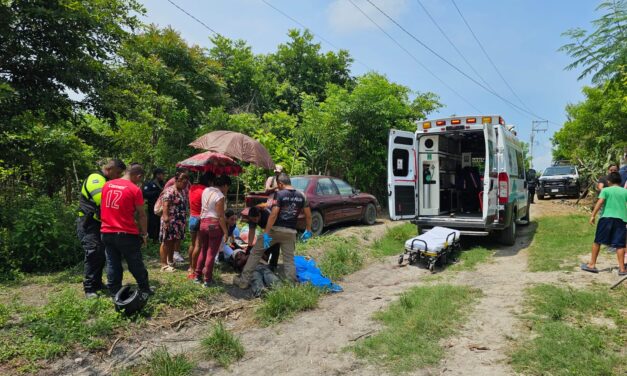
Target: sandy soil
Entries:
(314, 342)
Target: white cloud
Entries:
(344, 17)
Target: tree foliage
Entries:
(83, 81)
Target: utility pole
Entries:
(537, 126)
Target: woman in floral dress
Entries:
(173, 220)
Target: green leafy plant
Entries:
(222, 346)
(344, 258)
(283, 302)
(162, 363)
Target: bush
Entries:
(43, 237)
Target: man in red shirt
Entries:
(121, 200)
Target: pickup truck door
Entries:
(402, 175)
(490, 175)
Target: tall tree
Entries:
(601, 53)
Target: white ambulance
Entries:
(463, 172)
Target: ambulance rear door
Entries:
(402, 175)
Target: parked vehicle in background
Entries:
(559, 180)
(465, 173)
(331, 200)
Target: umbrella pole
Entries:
(237, 193)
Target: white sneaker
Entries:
(178, 257)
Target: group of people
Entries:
(113, 225)
(611, 229)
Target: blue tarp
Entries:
(308, 272)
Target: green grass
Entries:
(5, 314)
(284, 301)
(343, 258)
(559, 241)
(162, 363)
(52, 330)
(222, 346)
(393, 242)
(174, 290)
(414, 326)
(564, 341)
(468, 260)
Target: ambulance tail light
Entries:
(501, 121)
(426, 125)
(503, 188)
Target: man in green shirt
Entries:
(611, 230)
(88, 224)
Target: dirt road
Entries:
(314, 342)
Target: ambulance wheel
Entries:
(317, 223)
(508, 236)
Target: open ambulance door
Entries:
(402, 175)
(490, 175)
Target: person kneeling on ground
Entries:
(122, 200)
(611, 228)
(280, 229)
(259, 217)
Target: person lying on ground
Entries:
(259, 217)
(263, 279)
(611, 229)
(280, 229)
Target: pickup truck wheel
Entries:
(370, 215)
(508, 236)
(317, 223)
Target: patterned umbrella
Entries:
(217, 163)
(235, 145)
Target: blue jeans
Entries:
(127, 246)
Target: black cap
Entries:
(158, 171)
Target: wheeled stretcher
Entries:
(435, 244)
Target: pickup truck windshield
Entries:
(562, 170)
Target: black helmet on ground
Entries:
(130, 299)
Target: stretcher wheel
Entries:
(431, 265)
(400, 259)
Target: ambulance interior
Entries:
(451, 170)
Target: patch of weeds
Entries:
(564, 341)
(284, 301)
(162, 363)
(319, 243)
(549, 252)
(469, 259)
(222, 346)
(51, 330)
(4, 315)
(341, 260)
(414, 325)
(393, 242)
(173, 290)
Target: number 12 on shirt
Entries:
(113, 196)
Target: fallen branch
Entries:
(113, 346)
(618, 283)
(362, 335)
(208, 312)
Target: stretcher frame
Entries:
(430, 257)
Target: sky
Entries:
(521, 37)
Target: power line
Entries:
(305, 27)
(490, 59)
(194, 18)
(454, 66)
(413, 57)
(453, 44)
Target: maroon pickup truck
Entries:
(331, 200)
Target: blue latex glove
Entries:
(306, 235)
(266, 240)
